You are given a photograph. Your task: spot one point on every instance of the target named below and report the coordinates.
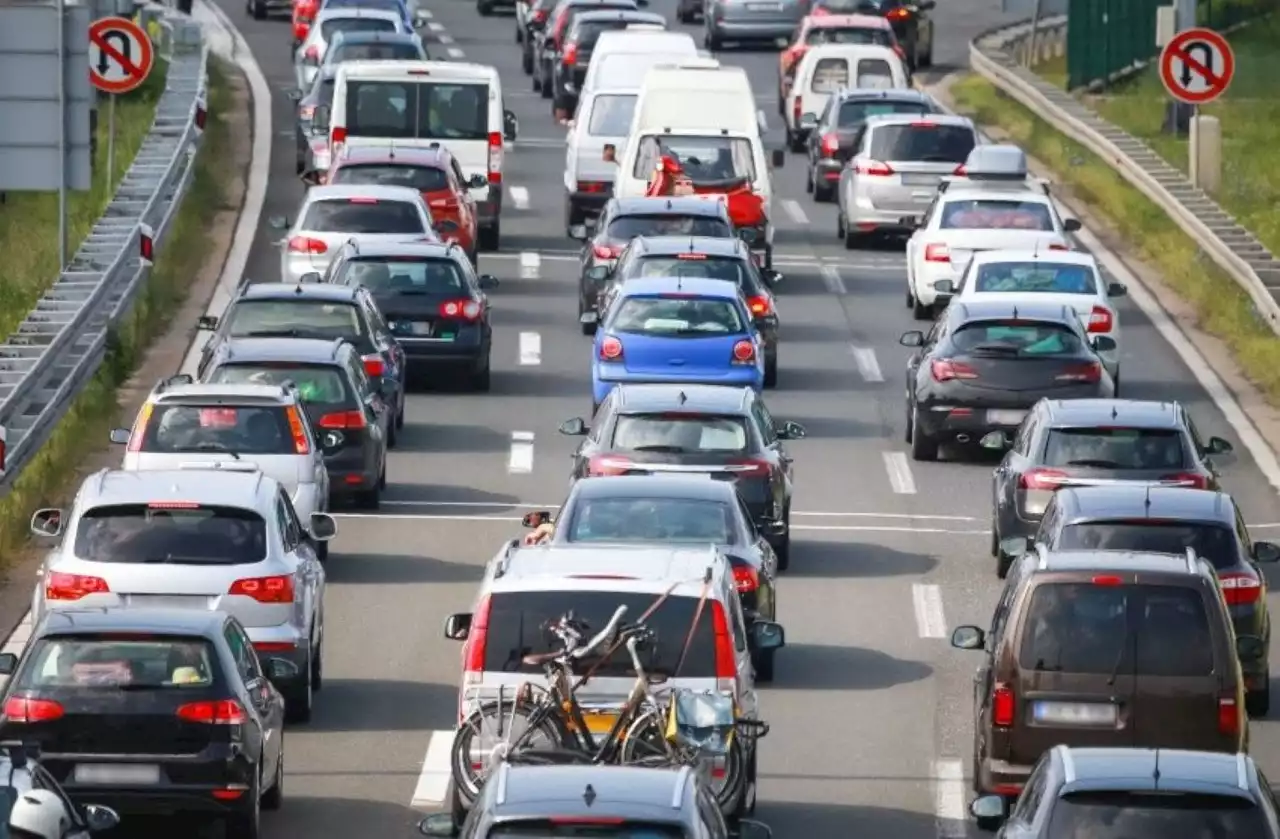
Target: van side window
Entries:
(288, 534)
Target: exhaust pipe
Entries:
(962, 438)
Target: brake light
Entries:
(592, 186)
(140, 428)
(463, 309)
(1058, 246)
(344, 420)
(1191, 480)
(1240, 589)
(59, 585)
(872, 167)
(1002, 705)
(944, 370)
(276, 589)
(744, 352)
(937, 252)
(760, 306)
(495, 157)
(301, 443)
(1089, 373)
(726, 661)
(338, 136)
(610, 349)
(1049, 479)
(540, 16)
(1108, 580)
(797, 107)
(899, 13)
(606, 252)
(27, 709)
(830, 144)
(1228, 715)
(305, 244)
(959, 171)
(746, 578)
(312, 53)
(1100, 319)
(473, 652)
(570, 56)
(374, 366)
(604, 465)
(213, 712)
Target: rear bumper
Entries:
(589, 204)
(751, 30)
(965, 411)
(421, 355)
(998, 777)
(604, 380)
(828, 171)
(350, 471)
(286, 641)
(187, 782)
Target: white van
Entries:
(417, 103)
(603, 119)
(829, 68)
(622, 58)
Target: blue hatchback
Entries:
(673, 330)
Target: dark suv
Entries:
(1104, 648)
(346, 407)
(1079, 442)
(1167, 520)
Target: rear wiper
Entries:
(175, 559)
(661, 449)
(406, 292)
(1124, 648)
(1005, 349)
(1100, 464)
(210, 446)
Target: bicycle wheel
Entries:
(729, 776)
(484, 739)
(645, 743)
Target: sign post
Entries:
(1196, 67)
(120, 59)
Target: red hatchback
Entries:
(432, 171)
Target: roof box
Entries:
(995, 163)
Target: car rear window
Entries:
(355, 24)
(516, 621)
(242, 429)
(662, 520)
(678, 317)
(1016, 338)
(626, 228)
(680, 433)
(1115, 448)
(611, 115)
(923, 142)
(171, 532)
(408, 274)
(363, 215)
(136, 661)
(729, 269)
(572, 826)
(1211, 541)
(830, 75)
(996, 214)
(704, 158)
(300, 317)
(1151, 630)
(848, 34)
(586, 33)
(421, 178)
(403, 109)
(1035, 277)
(1163, 815)
(375, 52)
(319, 384)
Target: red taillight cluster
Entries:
(1100, 319)
(746, 578)
(374, 366)
(606, 251)
(1042, 479)
(305, 244)
(937, 252)
(540, 16)
(593, 187)
(473, 652)
(797, 107)
(944, 370)
(610, 349)
(1240, 589)
(1190, 480)
(1086, 373)
(830, 145)
(337, 137)
(872, 167)
(61, 586)
(1228, 715)
(277, 589)
(495, 157)
(570, 56)
(760, 306)
(28, 709)
(312, 54)
(744, 352)
(344, 421)
(726, 661)
(1003, 705)
(213, 712)
(464, 309)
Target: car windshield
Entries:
(856, 111)
(996, 214)
(662, 520)
(847, 34)
(374, 51)
(685, 317)
(363, 215)
(1211, 541)
(242, 429)
(703, 159)
(403, 109)
(355, 24)
(681, 433)
(421, 178)
(694, 265)
(1115, 448)
(923, 141)
(316, 384)
(611, 115)
(172, 532)
(1163, 815)
(300, 317)
(1035, 277)
(569, 827)
(626, 228)
(409, 274)
(1022, 337)
(134, 661)
(1102, 629)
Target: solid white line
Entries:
(868, 367)
(445, 39)
(519, 197)
(899, 473)
(948, 799)
(433, 780)
(454, 52)
(927, 600)
(832, 278)
(426, 13)
(795, 211)
(530, 349)
(435, 27)
(530, 265)
(763, 119)
(521, 460)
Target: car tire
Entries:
(258, 11)
(911, 298)
(823, 193)
(1258, 703)
(273, 798)
(771, 371)
(587, 328)
(519, 35)
(764, 667)
(808, 180)
(322, 551)
(782, 550)
(490, 235)
(544, 87)
(246, 825)
(572, 216)
(535, 78)
(400, 413)
(393, 439)
(299, 166)
(526, 62)
(484, 9)
(852, 239)
(995, 535)
(713, 42)
(317, 668)
(923, 447)
(482, 379)
(795, 142)
(300, 700)
(922, 311)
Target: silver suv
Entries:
(198, 538)
(243, 427)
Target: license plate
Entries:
(420, 328)
(1006, 417)
(160, 601)
(1074, 713)
(598, 723)
(117, 773)
(920, 180)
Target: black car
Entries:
(830, 144)
(983, 366)
(1136, 793)
(434, 303)
(348, 409)
(569, 70)
(152, 711)
(912, 26)
(550, 40)
(674, 510)
(1079, 442)
(692, 256)
(376, 46)
(317, 310)
(535, 20)
(309, 136)
(725, 432)
(1171, 520)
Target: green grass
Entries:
(84, 428)
(1223, 308)
(29, 220)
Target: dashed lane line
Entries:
(445, 39)
(793, 209)
(895, 463)
(435, 27)
(519, 197)
(926, 598)
(530, 349)
(530, 265)
(520, 461)
(868, 366)
(831, 277)
(949, 796)
(454, 52)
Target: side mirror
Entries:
(773, 528)
(280, 670)
(790, 431)
(47, 522)
(311, 177)
(8, 663)
(208, 322)
(180, 379)
(438, 824)
(1103, 343)
(457, 626)
(278, 223)
(589, 318)
(311, 277)
(1265, 552)
(1250, 647)
(100, 819)
(910, 222)
(1217, 445)
(322, 527)
(808, 120)
(778, 158)
(997, 440)
(575, 427)
(535, 519)
(1116, 290)
(747, 235)
(772, 277)
(752, 829)
(120, 436)
(945, 287)
(914, 338)
(476, 181)
(331, 441)
(488, 282)
(1071, 225)
(968, 638)
(510, 126)
(599, 273)
(1016, 546)
(578, 232)
(610, 153)
(767, 635)
(988, 808)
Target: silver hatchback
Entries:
(750, 20)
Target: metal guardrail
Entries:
(53, 354)
(994, 56)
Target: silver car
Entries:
(750, 20)
(310, 53)
(331, 216)
(200, 538)
(897, 163)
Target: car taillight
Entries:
(301, 442)
(1088, 373)
(305, 244)
(570, 56)
(726, 661)
(872, 167)
(899, 13)
(937, 252)
(606, 251)
(751, 468)
(830, 145)
(464, 309)
(602, 466)
(1189, 480)
(610, 349)
(744, 352)
(62, 586)
(139, 432)
(1002, 705)
(473, 652)
(344, 420)
(312, 54)
(944, 370)
(1058, 246)
(1100, 319)
(1228, 715)
(797, 108)
(760, 306)
(337, 137)
(540, 16)
(495, 157)
(1049, 479)
(374, 366)
(746, 578)
(28, 709)
(959, 171)
(595, 187)
(1240, 589)
(275, 589)
(213, 712)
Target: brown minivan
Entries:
(1103, 648)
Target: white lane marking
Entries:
(445, 39)
(530, 349)
(433, 780)
(927, 600)
(764, 120)
(521, 460)
(435, 27)
(895, 463)
(530, 265)
(948, 799)
(454, 52)
(795, 211)
(832, 278)
(519, 197)
(868, 367)
(426, 14)
(815, 528)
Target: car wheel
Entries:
(587, 328)
(392, 437)
(995, 535)
(771, 371)
(852, 239)
(490, 235)
(298, 702)
(545, 86)
(482, 379)
(1258, 702)
(764, 667)
(926, 60)
(923, 447)
(317, 668)
(795, 141)
(526, 62)
(783, 549)
(519, 35)
(247, 824)
(258, 11)
(274, 797)
(572, 216)
(823, 193)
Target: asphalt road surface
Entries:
(871, 708)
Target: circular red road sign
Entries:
(120, 55)
(1196, 66)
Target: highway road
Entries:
(871, 708)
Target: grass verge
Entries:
(187, 248)
(29, 220)
(1223, 308)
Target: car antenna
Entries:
(683, 398)
(298, 289)
(1114, 412)
(589, 795)
(1146, 502)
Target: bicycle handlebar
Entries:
(602, 637)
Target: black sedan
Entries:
(152, 711)
(985, 364)
(675, 510)
(912, 25)
(570, 68)
(723, 432)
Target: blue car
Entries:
(401, 6)
(674, 330)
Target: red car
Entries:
(432, 171)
